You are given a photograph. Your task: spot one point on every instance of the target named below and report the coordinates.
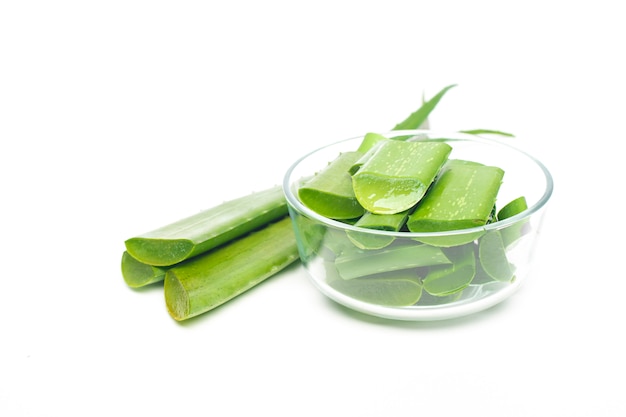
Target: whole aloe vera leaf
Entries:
(420, 116)
(208, 229)
(209, 280)
(392, 258)
(398, 174)
(330, 192)
(386, 222)
(449, 279)
(137, 274)
(462, 197)
(397, 288)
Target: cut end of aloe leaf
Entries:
(331, 205)
(176, 297)
(386, 195)
(329, 192)
(397, 175)
(512, 208)
(137, 274)
(159, 252)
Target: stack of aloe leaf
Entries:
(211, 257)
(215, 255)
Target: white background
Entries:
(117, 117)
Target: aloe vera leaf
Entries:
(462, 197)
(330, 193)
(515, 231)
(366, 156)
(398, 174)
(449, 279)
(487, 132)
(417, 118)
(512, 208)
(386, 222)
(208, 229)
(492, 256)
(370, 140)
(138, 274)
(394, 289)
(209, 280)
(392, 258)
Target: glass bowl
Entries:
(424, 276)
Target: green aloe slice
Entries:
(386, 222)
(462, 197)
(513, 232)
(208, 229)
(396, 289)
(449, 279)
(492, 256)
(209, 280)
(137, 274)
(392, 258)
(370, 140)
(330, 193)
(397, 175)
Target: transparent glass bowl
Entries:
(487, 264)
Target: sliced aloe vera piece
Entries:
(137, 274)
(393, 258)
(513, 232)
(462, 197)
(492, 256)
(449, 279)
(398, 174)
(386, 222)
(209, 280)
(330, 193)
(370, 140)
(396, 289)
(208, 229)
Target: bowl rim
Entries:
(295, 202)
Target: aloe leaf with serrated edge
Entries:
(196, 234)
